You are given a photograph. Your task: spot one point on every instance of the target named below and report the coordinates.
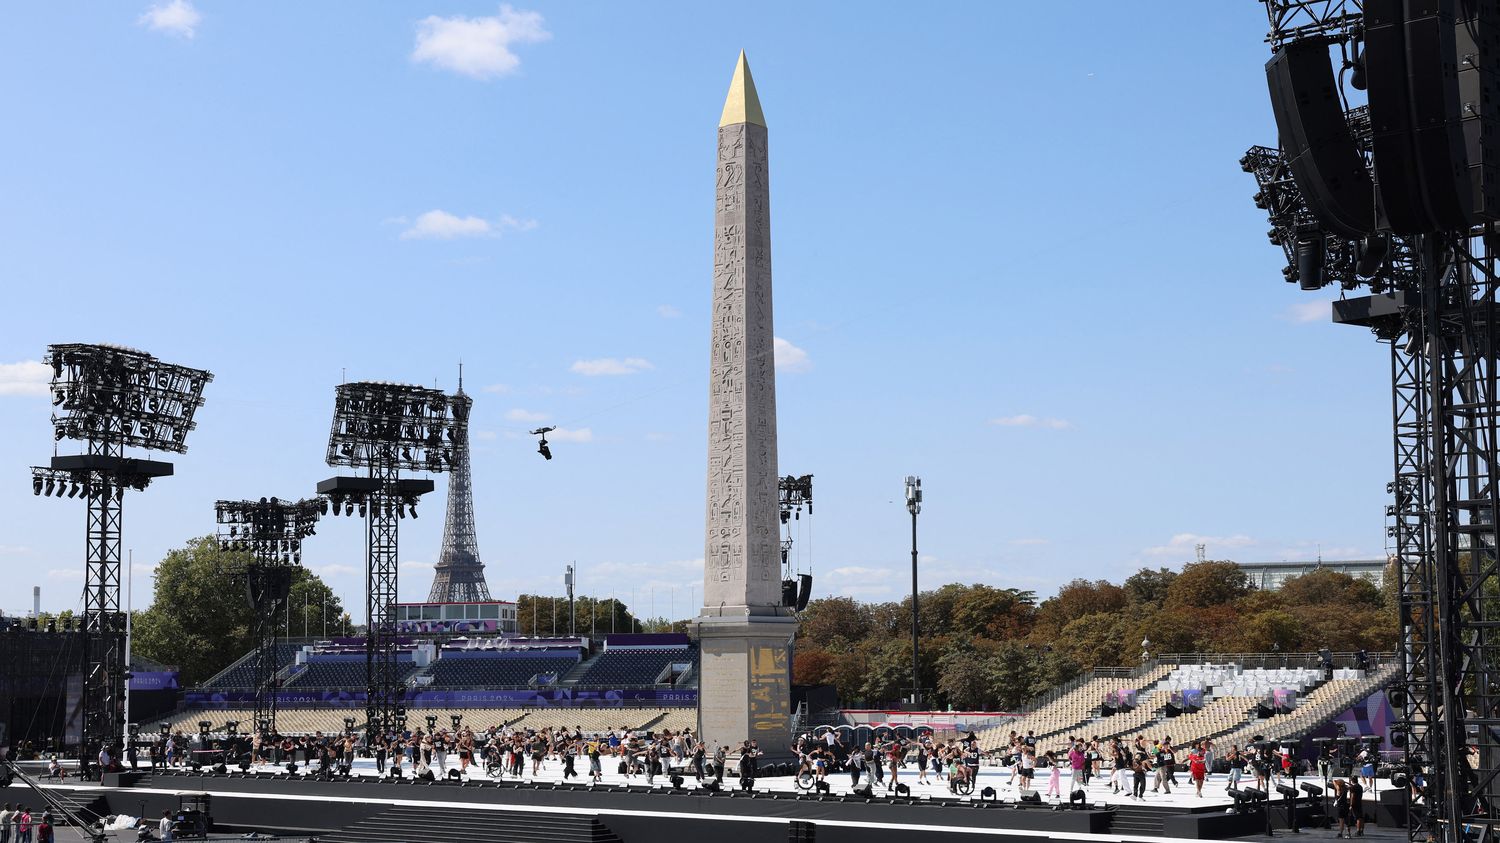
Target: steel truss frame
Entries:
(271, 531)
(105, 682)
(384, 692)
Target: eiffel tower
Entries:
(458, 576)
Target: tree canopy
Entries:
(200, 617)
(989, 648)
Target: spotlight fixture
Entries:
(542, 447)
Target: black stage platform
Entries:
(371, 812)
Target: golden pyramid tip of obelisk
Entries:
(742, 105)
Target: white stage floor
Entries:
(1099, 789)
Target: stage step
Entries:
(400, 824)
(1138, 819)
(87, 805)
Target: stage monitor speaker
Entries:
(1316, 140)
(1030, 796)
(804, 590)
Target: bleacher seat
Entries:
(632, 666)
(342, 674)
(481, 672)
(241, 676)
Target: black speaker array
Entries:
(1430, 70)
(1316, 139)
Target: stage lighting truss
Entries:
(392, 425)
(795, 493)
(270, 529)
(105, 392)
(1294, 20)
(1384, 263)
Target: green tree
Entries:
(1208, 584)
(540, 615)
(1148, 588)
(832, 619)
(965, 676)
(200, 619)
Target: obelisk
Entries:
(744, 631)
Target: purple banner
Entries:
(1372, 715)
(153, 681)
(446, 627)
(543, 698)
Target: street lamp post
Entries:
(914, 506)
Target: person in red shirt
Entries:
(1197, 767)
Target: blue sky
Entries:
(1013, 253)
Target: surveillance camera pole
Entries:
(914, 506)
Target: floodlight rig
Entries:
(793, 493)
(270, 531)
(111, 398)
(385, 427)
(1427, 260)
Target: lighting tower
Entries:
(1401, 196)
(793, 494)
(385, 427)
(914, 506)
(111, 398)
(271, 532)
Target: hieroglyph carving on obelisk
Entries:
(741, 558)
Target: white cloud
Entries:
(563, 434)
(1183, 544)
(1309, 311)
(495, 388)
(484, 435)
(859, 572)
(790, 358)
(520, 415)
(333, 570)
(479, 48)
(653, 436)
(440, 225)
(177, 17)
(666, 311)
(516, 223)
(610, 366)
(13, 550)
(1028, 420)
(29, 377)
(65, 574)
(413, 565)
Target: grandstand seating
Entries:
(632, 666)
(340, 674)
(1215, 717)
(1073, 711)
(241, 674)
(1314, 709)
(454, 672)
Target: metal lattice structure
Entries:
(458, 576)
(270, 531)
(111, 398)
(385, 427)
(1434, 303)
